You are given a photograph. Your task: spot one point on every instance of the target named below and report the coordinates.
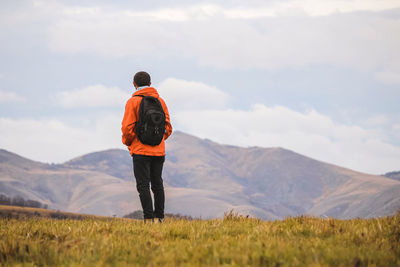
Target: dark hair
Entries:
(142, 78)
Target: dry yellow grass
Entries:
(232, 241)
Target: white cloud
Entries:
(10, 97)
(310, 133)
(191, 95)
(93, 96)
(360, 147)
(203, 110)
(222, 37)
(396, 127)
(388, 77)
(327, 7)
(308, 7)
(244, 10)
(51, 140)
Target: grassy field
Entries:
(232, 241)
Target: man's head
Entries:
(141, 78)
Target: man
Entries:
(148, 159)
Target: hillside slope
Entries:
(206, 179)
(393, 175)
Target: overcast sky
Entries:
(321, 78)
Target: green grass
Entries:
(232, 241)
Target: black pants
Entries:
(148, 169)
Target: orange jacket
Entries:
(129, 137)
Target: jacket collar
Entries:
(142, 87)
(147, 91)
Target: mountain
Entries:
(393, 175)
(205, 179)
(67, 188)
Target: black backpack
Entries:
(150, 127)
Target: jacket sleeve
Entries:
(168, 126)
(128, 124)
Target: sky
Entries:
(321, 78)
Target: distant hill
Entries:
(393, 175)
(68, 188)
(205, 179)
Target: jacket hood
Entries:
(148, 91)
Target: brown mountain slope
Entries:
(278, 181)
(203, 178)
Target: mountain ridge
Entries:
(393, 175)
(204, 178)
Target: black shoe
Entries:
(160, 220)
